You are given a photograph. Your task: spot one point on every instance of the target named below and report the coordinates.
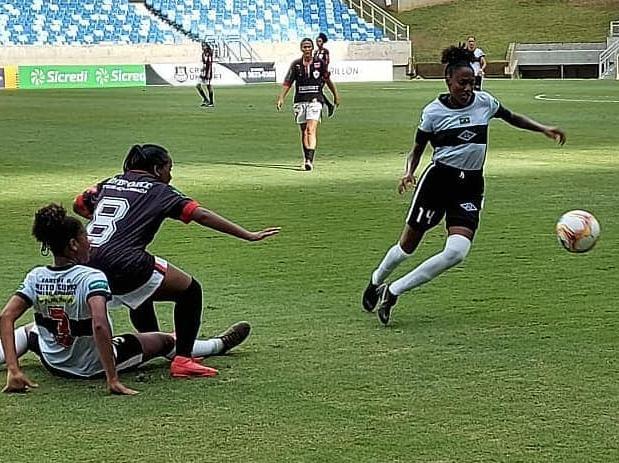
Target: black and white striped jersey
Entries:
(459, 136)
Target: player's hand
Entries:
(117, 388)
(336, 100)
(556, 134)
(266, 233)
(17, 382)
(406, 182)
(279, 103)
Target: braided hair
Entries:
(146, 157)
(53, 228)
(456, 57)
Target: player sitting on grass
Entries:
(72, 332)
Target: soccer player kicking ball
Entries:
(456, 123)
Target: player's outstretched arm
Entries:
(210, 219)
(526, 123)
(16, 380)
(412, 161)
(333, 90)
(282, 95)
(102, 334)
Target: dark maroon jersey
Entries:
(323, 55)
(309, 79)
(207, 65)
(128, 211)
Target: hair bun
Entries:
(456, 54)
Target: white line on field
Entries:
(577, 100)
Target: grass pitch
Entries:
(510, 357)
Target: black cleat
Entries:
(386, 303)
(330, 110)
(234, 335)
(204, 103)
(210, 105)
(370, 297)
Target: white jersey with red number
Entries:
(59, 297)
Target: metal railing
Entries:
(608, 60)
(392, 27)
(232, 48)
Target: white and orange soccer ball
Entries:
(578, 231)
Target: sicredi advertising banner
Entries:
(187, 74)
(102, 76)
(351, 71)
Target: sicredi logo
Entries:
(103, 76)
(39, 77)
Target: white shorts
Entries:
(137, 297)
(307, 111)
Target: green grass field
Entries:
(497, 23)
(511, 357)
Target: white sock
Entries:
(21, 343)
(203, 348)
(456, 249)
(394, 257)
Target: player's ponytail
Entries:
(54, 229)
(455, 57)
(146, 157)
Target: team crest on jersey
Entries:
(465, 120)
(316, 74)
(180, 73)
(467, 135)
(468, 207)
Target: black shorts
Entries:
(446, 191)
(478, 82)
(128, 354)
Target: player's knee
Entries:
(456, 249)
(191, 294)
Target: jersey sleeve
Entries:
(27, 290)
(425, 121)
(290, 76)
(176, 205)
(96, 284)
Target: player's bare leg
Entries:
(309, 142)
(200, 90)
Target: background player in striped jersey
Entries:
(309, 75)
(456, 124)
(322, 54)
(478, 61)
(206, 75)
(126, 212)
(72, 333)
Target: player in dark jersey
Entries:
(309, 75)
(323, 54)
(126, 212)
(206, 75)
(456, 124)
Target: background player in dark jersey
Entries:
(126, 212)
(456, 124)
(309, 75)
(323, 54)
(71, 334)
(206, 75)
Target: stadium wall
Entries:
(398, 52)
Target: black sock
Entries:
(211, 97)
(144, 318)
(310, 154)
(187, 314)
(201, 92)
(305, 154)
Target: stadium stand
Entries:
(73, 22)
(265, 20)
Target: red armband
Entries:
(188, 211)
(81, 208)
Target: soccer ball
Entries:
(578, 231)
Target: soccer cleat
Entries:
(308, 165)
(186, 367)
(370, 297)
(385, 304)
(234, 335)
(204, 103)
(210, 105)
